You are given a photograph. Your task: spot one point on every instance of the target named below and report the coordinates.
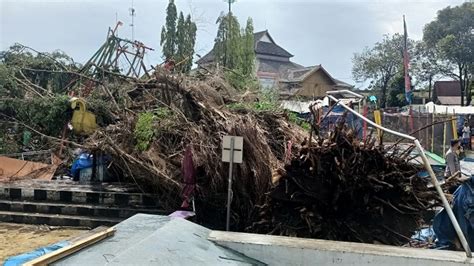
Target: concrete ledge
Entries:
(79, 196)
(278, 250)
(56, 219)
(90, 210)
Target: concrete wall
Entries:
(276, 250)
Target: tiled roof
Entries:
(266, 48)
(271, 49)
(272, 66)
(209, 57)
(298, 75)
(258, 35)
(342, 83)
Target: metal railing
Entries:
(427, 165)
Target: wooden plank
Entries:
(68, 250)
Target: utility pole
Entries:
(132, 25)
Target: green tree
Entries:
(426, 66)
(228, 48)
(178, 38)
(451, 33)
(181, 32)
(396, 91)
(190, 42)
(18, 65)
(380, 63)
(8, 85)
(248, 50)
(168, 32)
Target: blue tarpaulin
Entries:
(25, 257)
(463, 208)
(84, 161)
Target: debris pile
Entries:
(342, 189)
(188, 112)
(336, 188)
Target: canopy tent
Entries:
(449, 109)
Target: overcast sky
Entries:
(325, 32)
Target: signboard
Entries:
(237, 149)
(232, 147)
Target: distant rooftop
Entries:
(261, 47)
(447, 88)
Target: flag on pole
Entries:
(406, 63)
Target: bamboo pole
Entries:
(364, 134)
(455, 125)
(445, 133)
(433, 128)
(378, 120)
(427, 132)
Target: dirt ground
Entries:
(19, 238)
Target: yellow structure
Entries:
(378, 121)
(454, 127)
(83, 122)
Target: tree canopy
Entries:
(426, 66)
(168, 32)
(380, 63)
(234, 50)
(396, 91)
(451, 34)
(178, 38)
(228, 42)
(248, 50)
(20, 67)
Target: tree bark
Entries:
(384, 93)
(467, 88)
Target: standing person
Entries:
(452, 159)
(466, 135)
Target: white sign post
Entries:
(232, 148)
